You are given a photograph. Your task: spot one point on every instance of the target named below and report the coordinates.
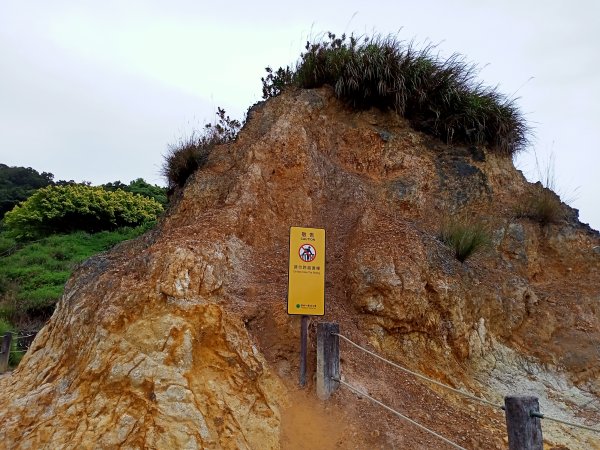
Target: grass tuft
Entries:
(190, 154)
(542, 205)
(439, 96)
(465, 237)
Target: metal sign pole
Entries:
(303, 345)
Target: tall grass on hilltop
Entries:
(191, 153)
(439, 96)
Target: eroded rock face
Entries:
(137, 355)
(181, 340)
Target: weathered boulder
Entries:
(137, 357)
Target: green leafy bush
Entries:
(439, 97)
(275, 82)
(465, 237)
(190, 154)
(60, 209)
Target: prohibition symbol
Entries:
(307, 253)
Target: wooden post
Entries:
(524, 431)
(303, 345)
(328, 359)
(5, 352)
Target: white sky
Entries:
(95, 90)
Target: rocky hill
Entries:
(180, 339)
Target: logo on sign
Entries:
(307, 253)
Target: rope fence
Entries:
(564, 422)
(21, 336)
(458, 391)
(13, 343)
(523, 417)
(422, 377)
(402, 416)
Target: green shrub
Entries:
(190, 154)
(439, 97)
(465, 237)
(5, 327)
(60, 209)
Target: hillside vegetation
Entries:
(18, 183)
(54, 226)
(33, 275)
(56, 209)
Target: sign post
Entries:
(306, 282)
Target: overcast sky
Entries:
(96, 91)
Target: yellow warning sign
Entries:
(306, 274)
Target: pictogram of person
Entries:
(306, 253)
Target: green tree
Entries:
(114, 185)
(62, 209)
(141, 187)
(18, 183)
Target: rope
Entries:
(19, 336)
(542, 416)
(23, 337)
(423, 377)
(422, 427)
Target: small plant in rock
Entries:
(542, 204)
(466, 237)
(274, 82)
(190, 154)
